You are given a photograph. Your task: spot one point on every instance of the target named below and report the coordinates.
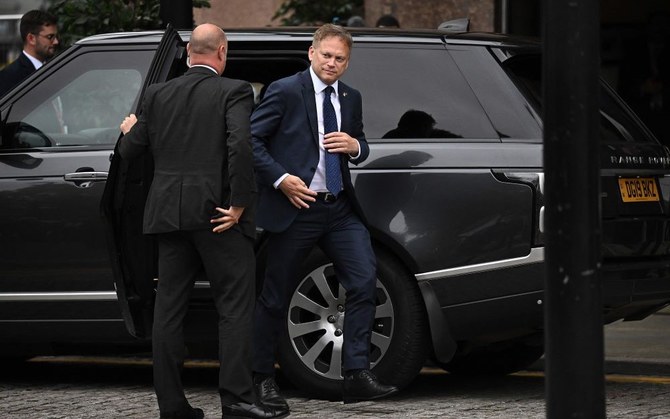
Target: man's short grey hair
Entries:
(328, 30)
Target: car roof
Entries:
(304, 34)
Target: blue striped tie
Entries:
(333, 173)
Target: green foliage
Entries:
(80, 18)
(312, 12)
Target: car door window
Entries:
(415, 92)
(511, 115)
(80, 104)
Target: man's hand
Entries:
(128, 123)
(229, 218)
(297, 192)
(340, 142)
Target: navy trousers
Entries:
(339, 232)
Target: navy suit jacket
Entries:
(284, 130)
(15, 73)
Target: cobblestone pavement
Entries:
(72, 388)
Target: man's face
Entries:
(329, 59)
(45, 42)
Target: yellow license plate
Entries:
(642, 189)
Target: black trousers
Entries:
(227, 259)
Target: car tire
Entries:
(400, 340)
(501, 359)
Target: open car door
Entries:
(133, 254)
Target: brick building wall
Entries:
(410, 13)
(430, 13)
(238, 13)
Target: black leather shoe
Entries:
(190, 413)
(246, 410)
(268, 393)
(363, 385)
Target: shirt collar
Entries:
(37, 63)
(319, 86)
(205, 66)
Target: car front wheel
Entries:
(310, 351)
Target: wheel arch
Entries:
(382, 241)
(443, 344)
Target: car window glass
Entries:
(508, 110)
(412, 92)
(79, 104)
(617, 124)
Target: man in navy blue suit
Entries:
(39, 34)
(306, 130)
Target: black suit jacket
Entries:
(284, 128)
(15, 73)
(197, 129)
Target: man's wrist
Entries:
(358, 153)
(280, 180)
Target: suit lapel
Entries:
(345, 107)
(26, 63)
(310, 103)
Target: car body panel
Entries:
(56, 282)
(462, 210)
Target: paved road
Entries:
(639, 347)
(121, 388)
(66, 389)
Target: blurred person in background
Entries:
(39, 33)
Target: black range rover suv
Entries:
(453, 191)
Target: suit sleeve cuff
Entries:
(243, 200)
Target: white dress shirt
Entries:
(319, 180)
(37, 63)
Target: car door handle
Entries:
(85, 176)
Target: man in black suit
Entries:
(305, 131)
(39, 34)
(196, 128)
